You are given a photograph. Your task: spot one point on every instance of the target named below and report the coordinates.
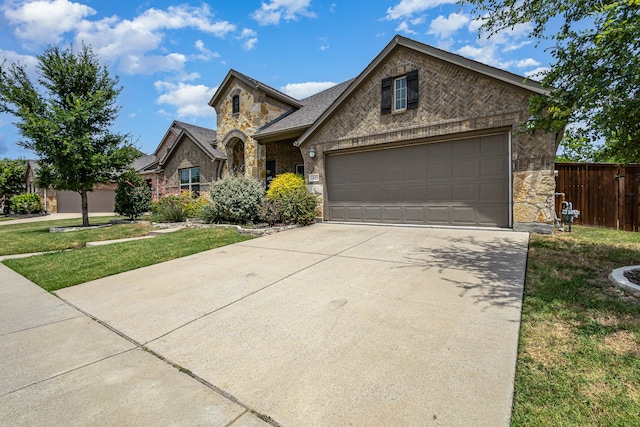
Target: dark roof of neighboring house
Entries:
(305, 116)
(202, 137)
(33, 165)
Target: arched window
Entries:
(235, 104)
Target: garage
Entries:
(98, 201)
(462, 182)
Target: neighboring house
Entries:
(421, 136)
(101, 199)
(185, 159)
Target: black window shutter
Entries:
(412, 89)
(387, 99)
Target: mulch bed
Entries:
(633, 276)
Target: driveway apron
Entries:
(336, 324)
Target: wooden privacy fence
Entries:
(606, 194)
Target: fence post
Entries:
(621, 202)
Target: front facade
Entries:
(421, 136)
(186, 159)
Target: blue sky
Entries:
(171, 55)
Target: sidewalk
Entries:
(60, 367)
(54, 216)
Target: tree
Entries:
(595, 78)
(133, 195)
(66, 120)
(11, 180)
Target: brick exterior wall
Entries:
(452, 100)
(286, 155)
(256, 110)
(188, 155)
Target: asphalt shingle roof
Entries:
(205, 137)
(312, 108)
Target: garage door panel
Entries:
(491, 145)
(466, 169)
(492, 191)
(493, 167)
(438, 192)
(414, 214)
(372, 213)
(465, 191)
(463, 215)
(459, 182)
(438, 171)
(392, 214)
(98, 201)
(469, 148)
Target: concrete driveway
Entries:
(331, 324)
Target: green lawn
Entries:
(579, 355)
(4, 218)
(35, 236)
(62, 269)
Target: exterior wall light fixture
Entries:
(312, 152)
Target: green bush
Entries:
(177, 208)
(297, 207)
(235, 199)
(133, 195)
(26, 203)
(284, 184)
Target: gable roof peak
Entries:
(255, 84)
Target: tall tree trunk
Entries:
(85, 208)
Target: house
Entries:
(421, 136)
(186, 159)
(101, 199)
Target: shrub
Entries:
(283, 184)
(177, 208)
(269, 212)
(26, 203)
(235, 199)
(133, 195)
(297, 207)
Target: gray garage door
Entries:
(461, 182)
(99, 201)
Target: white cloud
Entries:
(445, 26)
(188, 100)
(403, 27)
(538, 73)
(408, 8)
(272, 12)
(304, 90)
(45, 21)
(205, 54)
(249, 37)
(129, 40)
(30, 63)
(526, 63)
(149, 64)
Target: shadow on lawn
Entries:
(489, 271)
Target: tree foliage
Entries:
(595, 78)
(65, 119)
(11, 180)
(133, 195)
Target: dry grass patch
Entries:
(578, 362)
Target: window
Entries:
(399, 93)
(190, 180)
(300, 169)
(235, 104)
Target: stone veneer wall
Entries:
(452, 100)
(256, 110)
